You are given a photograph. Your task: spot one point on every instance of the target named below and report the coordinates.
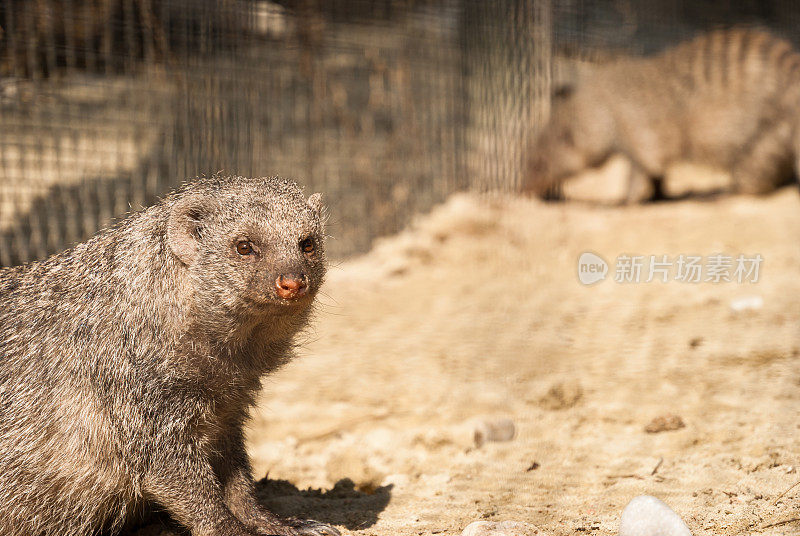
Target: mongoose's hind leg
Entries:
(766, 165)
(643, 187)
(658, 189)
(554, 192)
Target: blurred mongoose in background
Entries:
(729, 99)
(129, 362)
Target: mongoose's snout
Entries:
(291, 286)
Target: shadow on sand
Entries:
(343, 505)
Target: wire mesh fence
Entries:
(108, 104)
(386, 106)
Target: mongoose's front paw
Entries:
(297, 527)
(307, 527)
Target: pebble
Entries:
(501, 429)
(500, 528)
(746, 303)
(647, 516)
(562, 395)
(665, 423)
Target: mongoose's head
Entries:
(578, 136)
(250, 247)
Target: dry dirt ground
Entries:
(476, 312)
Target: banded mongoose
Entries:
(729, 99)
(129, 362)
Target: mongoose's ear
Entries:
(315, 202)
(185, 225)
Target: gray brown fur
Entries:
(128, 363)
(727, 99)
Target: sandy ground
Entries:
(476, 313)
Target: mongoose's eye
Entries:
(307, 246)
(243, 247)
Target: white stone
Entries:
(647, 516)
(747, 303)
(500, 528)
(500, 429)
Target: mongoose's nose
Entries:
(291, 286)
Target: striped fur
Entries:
(726, 99)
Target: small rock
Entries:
(664, 423)
(746, 303)
(647, 516)
(493, 430)
(562, 395)
(533, 466)
(500, 528)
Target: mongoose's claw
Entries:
(313, 528)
